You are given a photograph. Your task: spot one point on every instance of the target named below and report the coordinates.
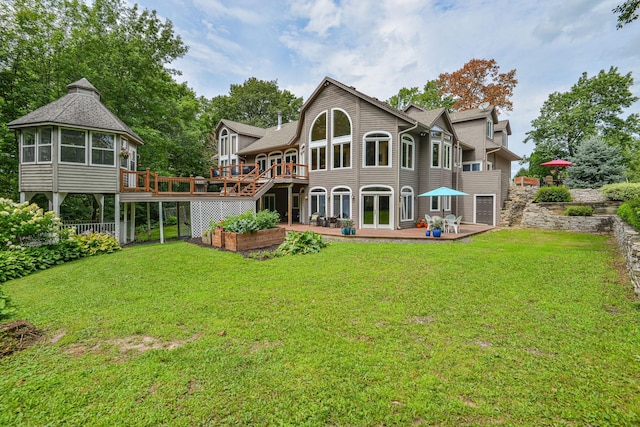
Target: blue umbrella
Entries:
(443, 192)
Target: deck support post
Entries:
(117, 217)
(148, 222)
(289, 198)
(125, 235)
(132, 227)
(161, 222)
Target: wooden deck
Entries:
(407, 235)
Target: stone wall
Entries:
(629, 243)
(548, 216)
(518, 199)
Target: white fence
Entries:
(92, 227)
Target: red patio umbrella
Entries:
(557, 163)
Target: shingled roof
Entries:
(80, 107)
(273, 138)
(241, 128)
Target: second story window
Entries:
(341, 139)
(436, 142)
(44, 145)
(318, 143)
(489, 129)
(408, 149)
(102, 149)
(446, 152)
(377, 149)
(29, 146)
(73, 146)
(223, 150)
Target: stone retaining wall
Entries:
(548, 216)
(629, 242)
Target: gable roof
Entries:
(241, 128)
(474, 114)
(503, 125)
(80, 107)
(273, 138)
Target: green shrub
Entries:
(97, 243)
(630, 212)
(23, 223)
(623, 191)
(267, 219)
(171, 220)
(305, 242)
(553, 194)
(579, 211)
(249, 222)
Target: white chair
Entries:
(428, 220)
(449, 220)
(453, 224)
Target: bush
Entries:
(306, 242)
(249, 222)
(24, 223)
(630, 212)
(552, 194)
(623, 191)
(579, 211)
(171, 220)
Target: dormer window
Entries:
(489, 129)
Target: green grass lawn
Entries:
(515, 327)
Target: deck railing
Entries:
(234, 180)
(89, 227)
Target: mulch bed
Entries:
(198, 241)
(17, 335)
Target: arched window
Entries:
(408, 152)
(223, 149)
(341, 139)
(291, 159)
(341, 202)
(318, 143)
(377, 149)
(261, 160)
(406, 213)
(275, 158)
(318, 201)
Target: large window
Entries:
(29, 146)
(377, 149)
(436, 143)
(103, 149)
(341, 139)
(291, 158)
(406, 213)
(261, 160)
(471, 167)
(318, 143)
(318, 201)
(341, 203)
(223, 150)
(73, 146)
(408, 152)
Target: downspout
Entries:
(399, 157)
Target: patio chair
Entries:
(448, 222)
(315, 219)
(428, 220)
(455, 224)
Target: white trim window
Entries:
(261, 160)
(341, 202)
(377, 149)
(436, 144)
(318, 201)
(341, 139)
(408, 152)
(490, 129)
(224, 143)
(446, 152)
(275, 159)
(435, 203)
(28, 146)
(318, 143)
(233, 146)
(103, 149)
(471, 166)
(73, 146)
(446, 202)
(406, 209)
(291, 158)
(44, 144)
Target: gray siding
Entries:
(485, 182)
(87, 179)
(36, 177)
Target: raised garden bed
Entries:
(247, 241)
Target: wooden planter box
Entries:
(217, 238)
(260, 239)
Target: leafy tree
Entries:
(429, 98)
(542, 154)
(595, 164)
(627, 12)
(255, 102)
(479, 81)
(123, 51)
(593, 107)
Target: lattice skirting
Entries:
(202, 213)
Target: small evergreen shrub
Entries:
(552, 194)
(306, 242)
(579, 211)
(630, 212)
(623, 191)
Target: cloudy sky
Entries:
(380, 46)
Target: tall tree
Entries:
(124, 51)
(627, 12)
(593, 107)
(479, 81)
(429, 98)
(595, 164)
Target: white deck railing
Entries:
(89, 227)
